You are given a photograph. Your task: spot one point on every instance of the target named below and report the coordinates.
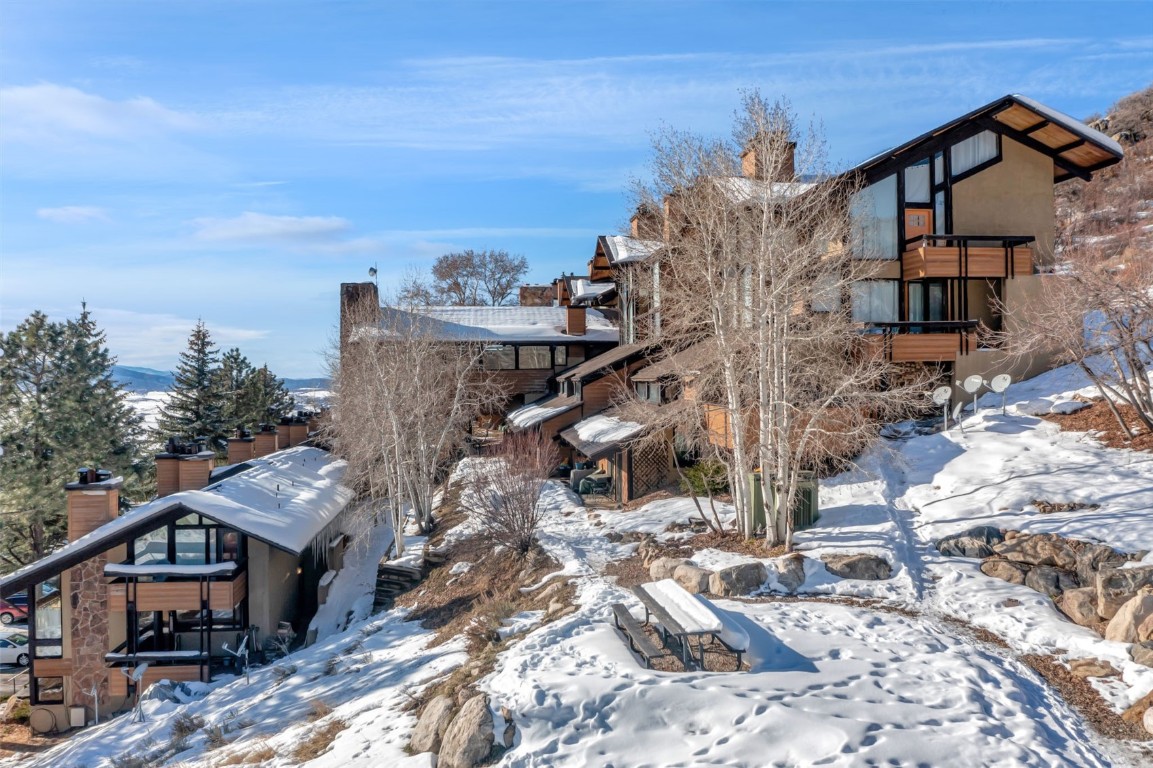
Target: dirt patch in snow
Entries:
(18, 739)
(1099, 420)
(1081, 695)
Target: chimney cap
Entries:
(104, 481)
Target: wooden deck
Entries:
(921, 347)
(178, 595)
(938, 261)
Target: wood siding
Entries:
(52, 667)
(90, 509)
(178, 595)
(267, 442)
(175, 474)
(920, 347)
(983, 261)
(118, 683)
(598, 395)
(241, 449)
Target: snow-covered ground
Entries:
(829, 684)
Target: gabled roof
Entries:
(687, 360)
(542, 410)
(284, 499)
(605, 362)
(739, 189)
(1076, 149)
(600, 435)
(625, 250)
(584, 291)
(498, 324)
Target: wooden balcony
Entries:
(967, 256)
(925, 342)
(118, 683)
(174, 595)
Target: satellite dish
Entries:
(972, 383)
(1000, 382)
(941, 395)
(957, 410)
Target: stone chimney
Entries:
(267, 440)
(242, 447)
(359, 305)
(183, 466)
(770, 157)
(93, 500)
(575, 321)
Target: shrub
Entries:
(706, 478)
(185, 725)
(503, 495)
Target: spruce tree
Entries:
(266, 397)
(197, 402)
(59, 410)
(235, 371)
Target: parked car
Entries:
(14, 649)
(20, 599)
(10, 612)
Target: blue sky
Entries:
(237, 161)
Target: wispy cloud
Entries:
(250, 227)
(73, 214)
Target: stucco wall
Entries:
(272, 583)
(1013, 197)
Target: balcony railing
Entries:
(921, 341)
(218, 587)
(967, 256)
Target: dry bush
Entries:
(320, 709)
(186, 724)
(260, 754)
(504, 494)
(318, 741)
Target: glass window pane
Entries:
(875, 301)
(190, 546)
(49, 690)
(499, 358)
(874, 214)
(561, 356)
(917, 182)
(152, 547)
(535, 358)
(939, 168)
(939, 213)
(973, 151)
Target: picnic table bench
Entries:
(683, 616)
(635, 634)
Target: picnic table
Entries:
(683, 616)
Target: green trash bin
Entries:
(805, 508)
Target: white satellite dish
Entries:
(1000, 382)
(941, 395)
(957, 414)
(972, 383)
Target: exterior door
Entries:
(918, 222)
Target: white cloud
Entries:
(47, 112)
(250, 227)
(73, 214)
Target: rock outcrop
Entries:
(430, 727)
(858, 565)
(467, 740)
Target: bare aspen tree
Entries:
(1097, 311)
(406, 397)
(758, 263)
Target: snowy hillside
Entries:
(141, 380)
(927, 670)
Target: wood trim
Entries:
(51, 667)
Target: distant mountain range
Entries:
(150, 380)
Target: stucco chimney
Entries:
(575, 321)
(770, 157)
(183, 466)
(93, 500)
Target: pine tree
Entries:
(235, 371)
(266, 397)
(197, 403)
(59, 410)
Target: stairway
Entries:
(392, 579)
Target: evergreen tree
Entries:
(196, 407)
(235, 371)
(266, 397)
(59, 410)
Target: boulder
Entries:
(1123, 627)
(1080, 605)
(430, 727)
(692, 578)
(663, 567)
(1145, 630)
(508, 738)
(1050, 581)
(742, 579)
(1142, 653)
(858, 566)
(1117, 586)
(1136, 713)
(1092, 668)
(467, 741)
(975, 542)
(1006, 570)
(1041, 549)
(790, 571)
(1095, 558)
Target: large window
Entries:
(874, 213)
(499, 358)
(875, 301)
(48, 690)
(917, 182)
(47, 638)
(973, 151)
(532, 358)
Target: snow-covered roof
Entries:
(740, 189)
(605, 362)
(499, 324)
(285, 499)
(586, 290)
(625, 250)
(600, 435)
(168, 569)
(534, 413)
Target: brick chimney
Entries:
(93, 500)
(183, 466)
(646, 223)
(242, 447)
(267, 440)
(770, 157)
(575, 321)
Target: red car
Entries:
(10, 613)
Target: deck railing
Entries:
(965, 256)
(922, 341)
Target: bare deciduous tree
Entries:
(759, 265)
(503, 494)
(467, 278)
(405, 400)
